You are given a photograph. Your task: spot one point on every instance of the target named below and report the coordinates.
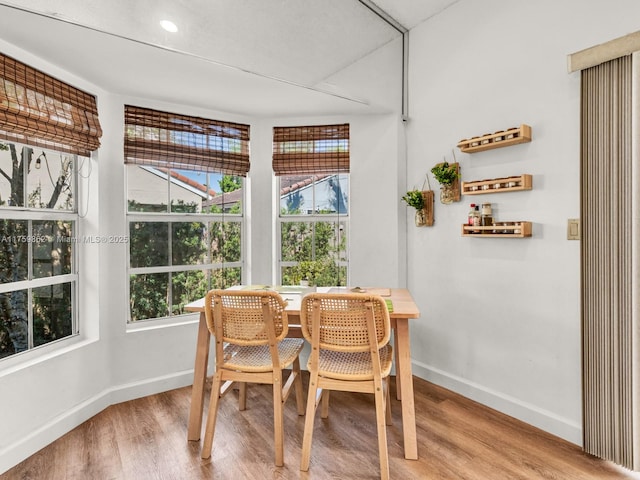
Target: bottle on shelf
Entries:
(486, 218)
(473, 212)
(476, 218)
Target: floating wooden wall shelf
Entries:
(499, 229)
(512, 136)
(498, 185)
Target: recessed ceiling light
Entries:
(169, 26)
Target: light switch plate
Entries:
(573, 229)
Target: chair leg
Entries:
(278, 419)
(298, 386)
(308, 422)
(397, 362)
(242, 396)
(382, 434)
(324, 409)
(387, 402)
(211, 417)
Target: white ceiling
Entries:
(256, 57)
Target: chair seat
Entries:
(352, 365)
(257, 358)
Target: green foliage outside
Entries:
(316, 249)
(229, 183)
(319, 273)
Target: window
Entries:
(38, 231)
(185, 208)
(44, 125)
(312, 165)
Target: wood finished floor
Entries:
(458, 439)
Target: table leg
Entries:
(199, 378)
(403, 372)
(395, 351)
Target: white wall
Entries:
(501, 317)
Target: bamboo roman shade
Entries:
(311, 150)
(170, 140)
(39, 110)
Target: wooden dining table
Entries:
(402, 309)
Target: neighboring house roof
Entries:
(291, 184)
(224, 198)
(202, 189)
(182, 181)
(287, 185)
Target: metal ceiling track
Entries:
(405, 51)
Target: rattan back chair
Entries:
(349, 335)
(250, 330)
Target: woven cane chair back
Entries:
(343, 321)
(241, 316)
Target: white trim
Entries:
(39, 282)
(163, 322)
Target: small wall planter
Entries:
(422, 201)
(448, 176)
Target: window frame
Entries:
(309, 151)
(30, 215)
(311, 218)
(177, 142)
(170, 218)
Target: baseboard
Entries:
(40, 438)
(540, 418)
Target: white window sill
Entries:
(166, 322)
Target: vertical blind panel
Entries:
(310, 150)
(40, 110)
(170, 140)
(607, 321)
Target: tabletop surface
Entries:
(402, 301)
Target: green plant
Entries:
(445, 173)
(414, 199)
(310, 270)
